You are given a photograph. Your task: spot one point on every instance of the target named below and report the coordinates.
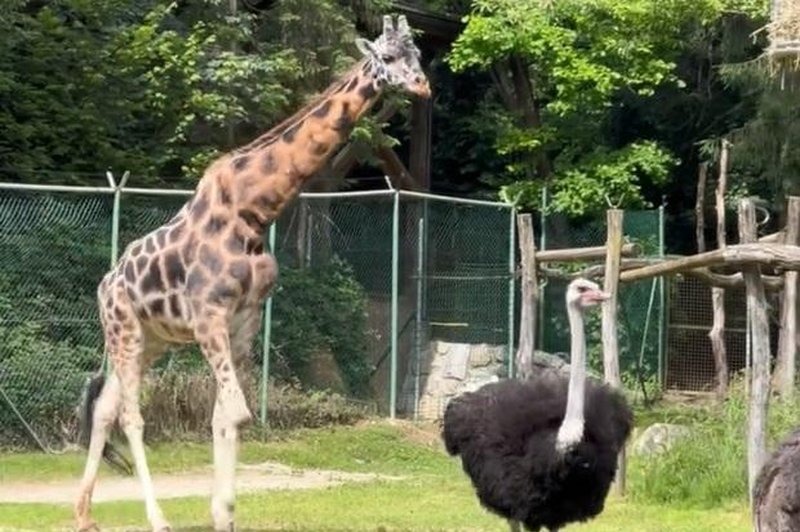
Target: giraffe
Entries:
(203, 276)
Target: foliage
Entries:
(321, 310)
(599, 180)
(593, 70)
(157, 88)
(710, 468)
(178, 405)
(42, 378)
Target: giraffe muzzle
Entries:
(422, 89)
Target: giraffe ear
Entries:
(365, 47)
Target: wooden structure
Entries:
(784, 30)
(751, 256)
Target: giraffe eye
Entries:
(387, 58)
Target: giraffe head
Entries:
(394, 58)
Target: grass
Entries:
(434, 495)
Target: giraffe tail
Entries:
(111, 455)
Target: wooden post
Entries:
(699, 207)
(716, 334)
(530, 296)
(757, 314)
(609, 319)
(611, 283)
(787, 347)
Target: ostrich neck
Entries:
(577, 366)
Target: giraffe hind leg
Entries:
(97, 419)
(115, 459)
(133, 427)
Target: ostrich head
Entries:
(581, 294)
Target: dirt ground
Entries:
(249, 478)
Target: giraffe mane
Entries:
(306, 109)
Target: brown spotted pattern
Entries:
(202, 277)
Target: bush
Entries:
(710, 467)
(43, 380)
(322, 309)
(179, 405)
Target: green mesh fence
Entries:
(332, 307)
(454, 277)
(640, 310)
(332, 325)
(53, 249)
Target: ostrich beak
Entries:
(597, 296)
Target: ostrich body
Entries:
(776, 494)
(543, 452)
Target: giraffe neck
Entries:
(261, 178)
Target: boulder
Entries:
(659, 437)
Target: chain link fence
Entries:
(385, 299)
(368, 281)
(641, 310)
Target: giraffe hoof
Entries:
(90, 526)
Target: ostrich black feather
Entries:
(505, 434)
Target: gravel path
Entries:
(249, 478)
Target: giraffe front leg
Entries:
(216, 346)
(226, 432)
(225, 448)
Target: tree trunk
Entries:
(699, 207)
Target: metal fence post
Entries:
(512, 285)
(542, 297)
(117, 188)
(395, 301)
(267, 335)
(418, 335)
(661, 301)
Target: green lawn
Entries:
(435, 494)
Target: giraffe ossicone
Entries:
(203, 276)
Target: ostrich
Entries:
(525, 463)
(776, 493)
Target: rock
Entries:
(659, 437)
(543, 361)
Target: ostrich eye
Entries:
(582, 289)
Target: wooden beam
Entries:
(609, 319)
(776, 255)
(735, 280)
(530, 296)
(759, 327)
(583, 254)
(774, 238)
(787, 347)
